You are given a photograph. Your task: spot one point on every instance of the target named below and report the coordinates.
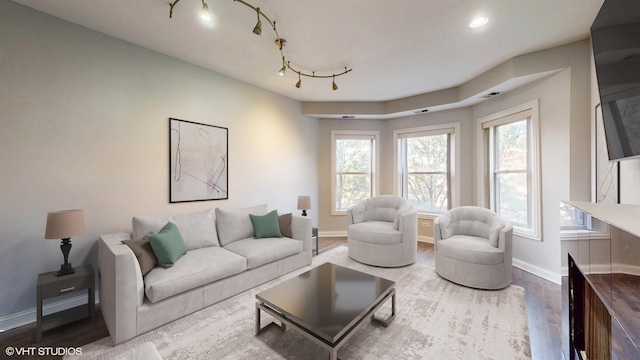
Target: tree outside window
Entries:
(509, 167)
(512, 195)
(425, 171)
(353, 168)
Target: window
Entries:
(572, 218)
(511, 170)
(425, 163)
(353, 168)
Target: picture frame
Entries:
(607, 188)
(198, 158)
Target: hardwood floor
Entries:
(543, 299)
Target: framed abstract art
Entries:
(198, 159)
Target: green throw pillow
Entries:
(167, 245)
(266, 225)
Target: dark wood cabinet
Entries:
(602, 292)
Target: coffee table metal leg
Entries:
(282, 326)
(385, 322)
(257, 319)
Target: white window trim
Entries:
(452, 128)
(376, 163)
(535, 233)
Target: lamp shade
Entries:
(304, 202)
(64, 224)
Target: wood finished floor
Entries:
(543, 299)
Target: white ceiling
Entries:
(395, 48)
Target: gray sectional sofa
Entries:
(222, 260)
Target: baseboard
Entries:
(27, 317)
(332, 234)
(538, 271)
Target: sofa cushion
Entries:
(198, 229)
(262, 251)
(167, 245)
(375, 232)
(235, 224)
(266, 226)
(284, 221)
(144, 253)
(470, 249)
(196, 268)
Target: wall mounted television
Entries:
(615, 36)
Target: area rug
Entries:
(435, 319)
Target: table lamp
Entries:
(64, 225)
(304, 204)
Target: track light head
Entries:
(204, 13)
(299, 81)
(282, 71)
(334, 86)
(258, 28)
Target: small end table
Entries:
(50, 285)
(314, 236)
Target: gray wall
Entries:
(85, 125)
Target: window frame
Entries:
(486, 164)
(375, 161)
(453, 130)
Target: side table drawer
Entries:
(65, 286)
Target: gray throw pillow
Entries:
(144, 253)
(284, 221)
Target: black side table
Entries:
(314, 236)
(50, 285)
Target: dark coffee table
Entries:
(327, 304)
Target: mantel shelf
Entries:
(622, 216)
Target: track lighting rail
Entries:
(280, 43)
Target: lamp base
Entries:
(65, 270)
(304, 212)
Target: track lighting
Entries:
(204, 13)
(284, 68)
(258, 28)
(280, 42)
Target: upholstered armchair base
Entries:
(473, 247)
(383, 231)
(480, 276)
(380, 255)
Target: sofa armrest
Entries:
(121, 286)
(301, 230)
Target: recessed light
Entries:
(476, 23)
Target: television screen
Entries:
(615, 35)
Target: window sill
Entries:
(527, 234)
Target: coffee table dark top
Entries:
(327, 300)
